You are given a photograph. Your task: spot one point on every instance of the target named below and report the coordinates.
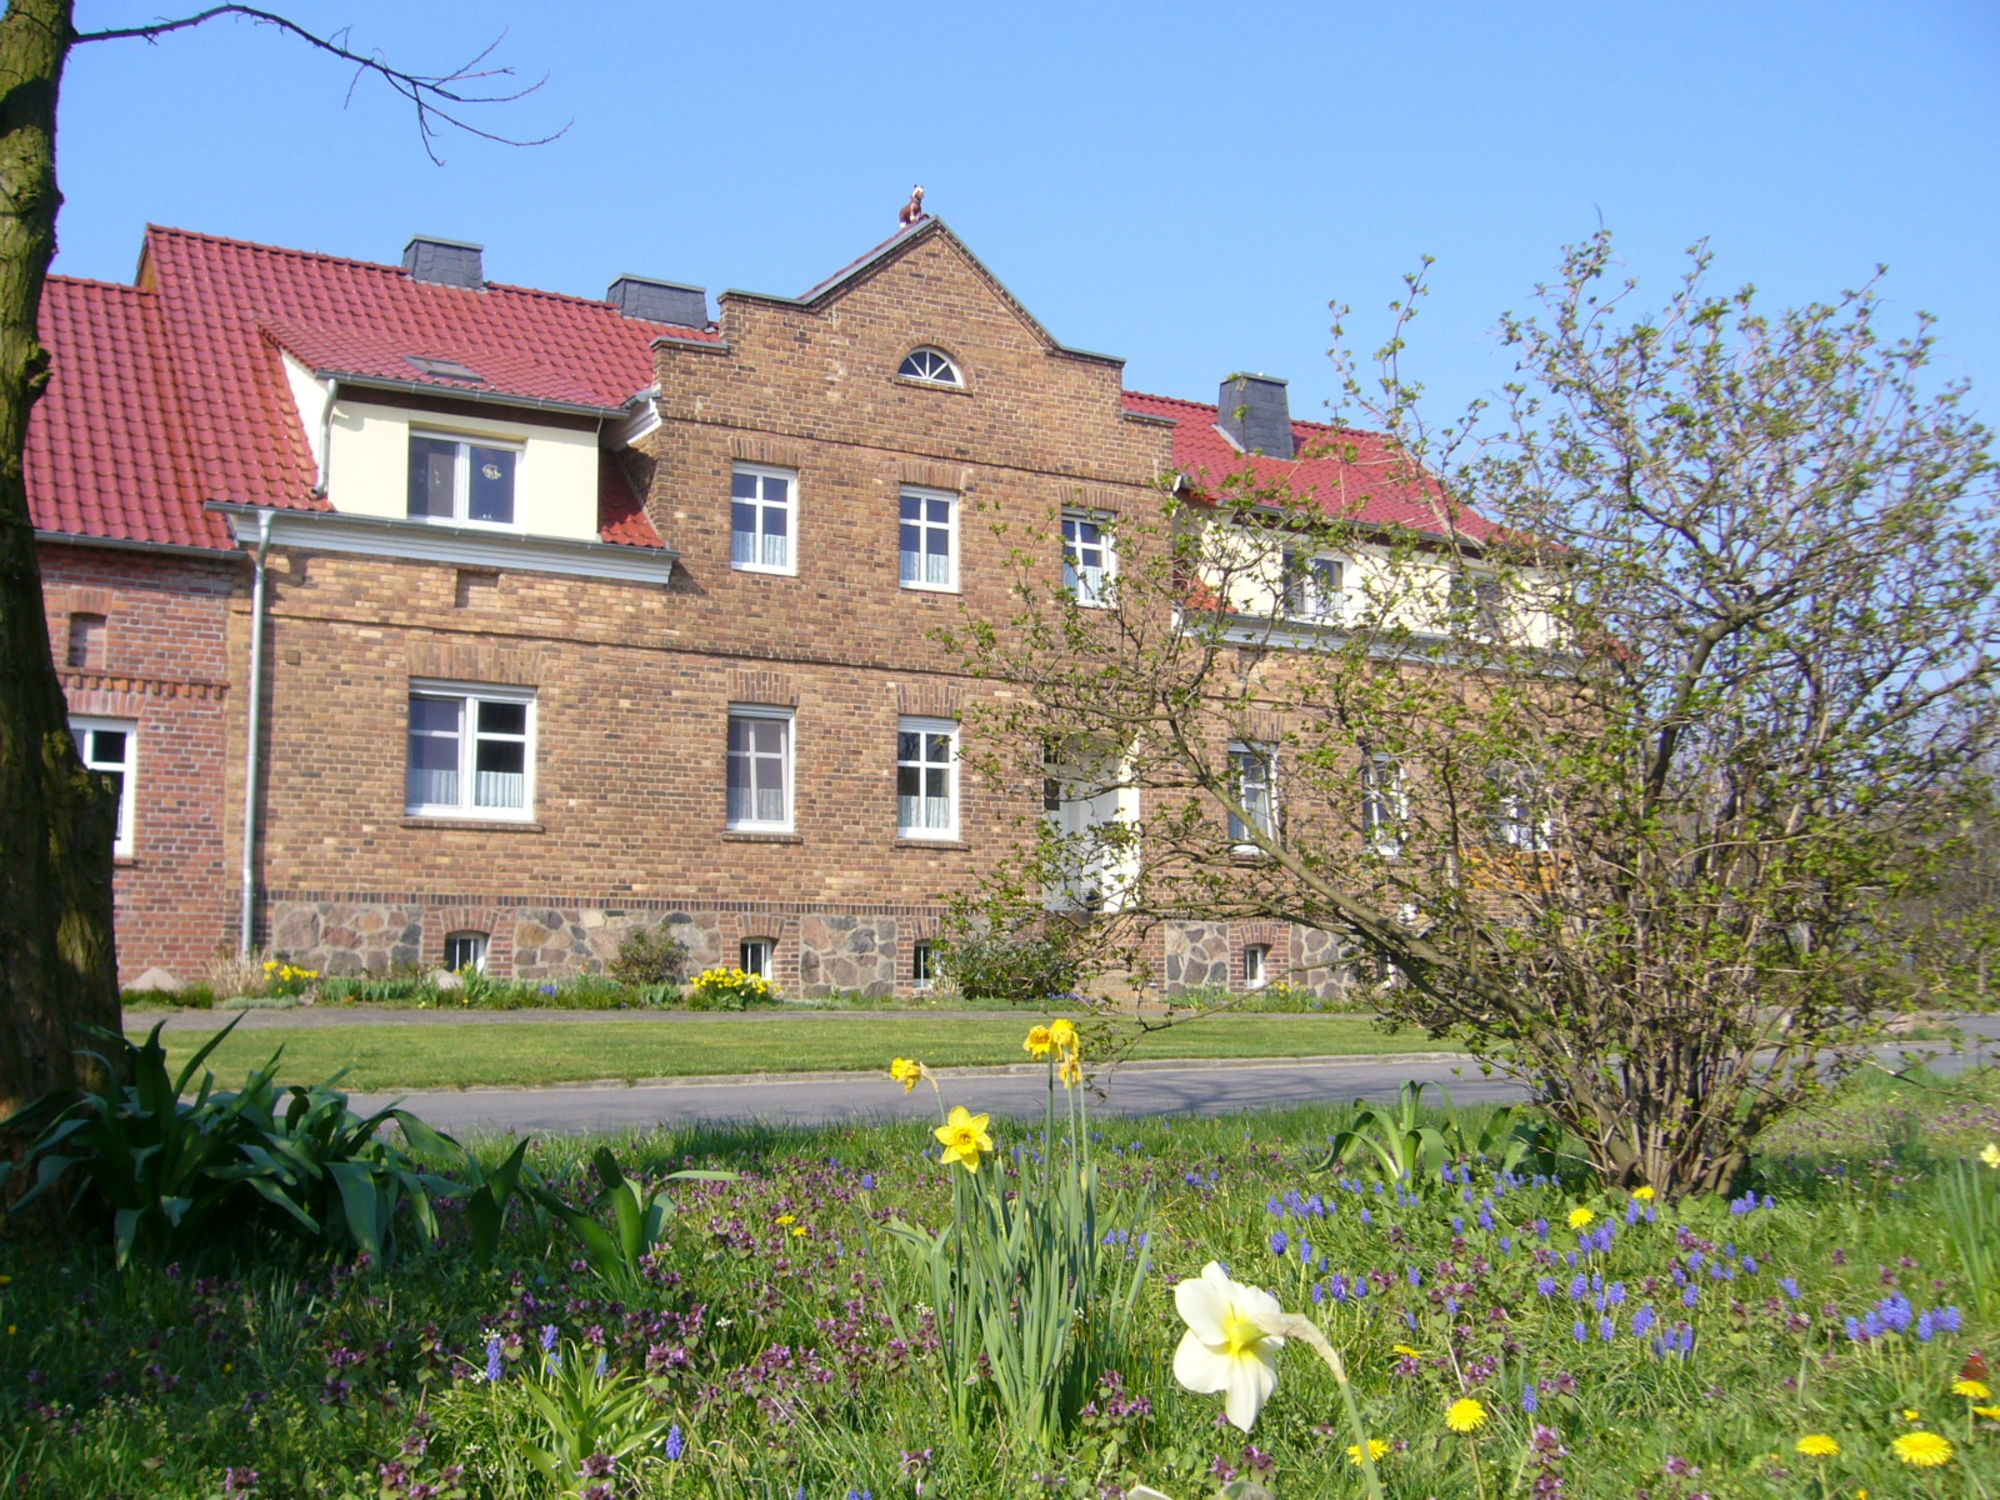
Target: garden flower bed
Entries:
(1505, 1332)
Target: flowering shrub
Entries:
(283, 978)
(729, 989)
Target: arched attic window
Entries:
(932, 366)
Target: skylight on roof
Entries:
(445, 369)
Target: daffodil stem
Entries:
(1291, 1325)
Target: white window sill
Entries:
(753, 835)
(931, 588)
(473, 820)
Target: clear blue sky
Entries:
(1187, 186)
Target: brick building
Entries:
(430, 620)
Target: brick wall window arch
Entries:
(932, 366)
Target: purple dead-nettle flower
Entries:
(676, 1443)
(599, 1492)
(599, 1466)
(240, 1481)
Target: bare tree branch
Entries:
(437, 98)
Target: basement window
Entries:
(465, 950)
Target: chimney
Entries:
(1254, 411)
(660, 301)
(445, 262)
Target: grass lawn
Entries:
(390, 1056)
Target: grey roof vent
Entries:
(1256, 414)
(660, 301)
(445, 262)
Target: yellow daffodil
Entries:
(1991, 1155)
(1377, 1450)
(1228, 1346)
(1039, 1042)
(1972, 1390)
(1465, 1415)
(905, 1072)
(1582, 1218)
(1922, 1450)
(1818, 1445)
(964, 1138)
(1071, 1072)
(1063, 1035)
(1644, 1194)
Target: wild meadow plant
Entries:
(1502, 1332)
(1028, 1305)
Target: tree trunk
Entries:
(58, 970)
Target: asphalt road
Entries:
(1133, 1089)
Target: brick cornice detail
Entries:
(927, 700)
(105, 686)
(773, 688)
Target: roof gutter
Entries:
(455, 393)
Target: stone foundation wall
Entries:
(1209, 955)
(814, 952)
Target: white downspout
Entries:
(253, 737)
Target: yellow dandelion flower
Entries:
(1465, 1415)
(1818, 1445)
(786, 1219)
(798, 1231)
(1040, 1042)
(1582, 1218)
(1644, 1194)
(1406, 1351)
(1972, 1390)
(1377, 1449)
(1911, 1414)
(1990, 1413)
(1922, 1450)
(964, 1138)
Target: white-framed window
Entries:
(1385, 805)
(1520, 810)
(760, 769)
(1256, 966)
(1089, 562)
(111, 747)
(933, 366)
(753, 956)
(1312, 585)
(923, 965)
(462, 479)
(929, 539)
(763, 519)
(1253, 776)
(465, 950)
(1477, 604)
(471, 752)
(926, 779)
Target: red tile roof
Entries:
(174, 393)
(107, 444)
(1353, 474)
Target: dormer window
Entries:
(932, 366)
(456, 479)
(445, 369)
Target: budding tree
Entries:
(1618, 753)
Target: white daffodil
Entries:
(1231, 1344)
